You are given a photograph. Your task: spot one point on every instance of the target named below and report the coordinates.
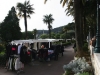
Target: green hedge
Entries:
(2, 54)
(2, 59)
(85, 47)
(2, 48)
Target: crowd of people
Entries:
(16, 56)
(19, 55)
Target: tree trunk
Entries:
(85, 28)
(49, 31)
(81, 25)
(25, 21)
(78, 18)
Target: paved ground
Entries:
(46, 68)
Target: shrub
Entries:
(84, 73)
(73, 41)
(77, 66)
(2, 59)
(2, 48)
(85, 47)
(2, 54)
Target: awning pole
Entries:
(49, 44)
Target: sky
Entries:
(36, 21)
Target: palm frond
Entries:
(19, 6)
(30, 12)
(20, 14)
(28, 2)
(61, 1)
(70, 9)
(26, 6)
(28, 16)
(64, 2)
(44, 20)
(70, 12)
(25, 3)
(45, 1)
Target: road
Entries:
(46, 68)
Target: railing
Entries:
(95, 58)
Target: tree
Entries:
(63, 36)
(88, 11)
(71, 33)
(70, 26)
(65, 29)
(78, 27)
(48, 20)
(29, 35)
(78, 23)
(35, 33)
(9, 28)
(44, 36)
(57, 36)
(25, 10)
(53, 35)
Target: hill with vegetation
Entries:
(62, 30)
(55, 30)
(69, 26)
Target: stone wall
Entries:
(95, 58)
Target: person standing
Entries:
(93, 41)
(23, 53)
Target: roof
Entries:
(34, 40)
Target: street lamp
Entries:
(97, 47)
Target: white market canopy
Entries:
(35, 40)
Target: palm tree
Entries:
(78, 26)
(61, 1)
(25, 9)
(35, 33)
(76, 12)
(78, 23)
(48, 20)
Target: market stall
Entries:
(35, 41)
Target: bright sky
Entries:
(51, 7)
